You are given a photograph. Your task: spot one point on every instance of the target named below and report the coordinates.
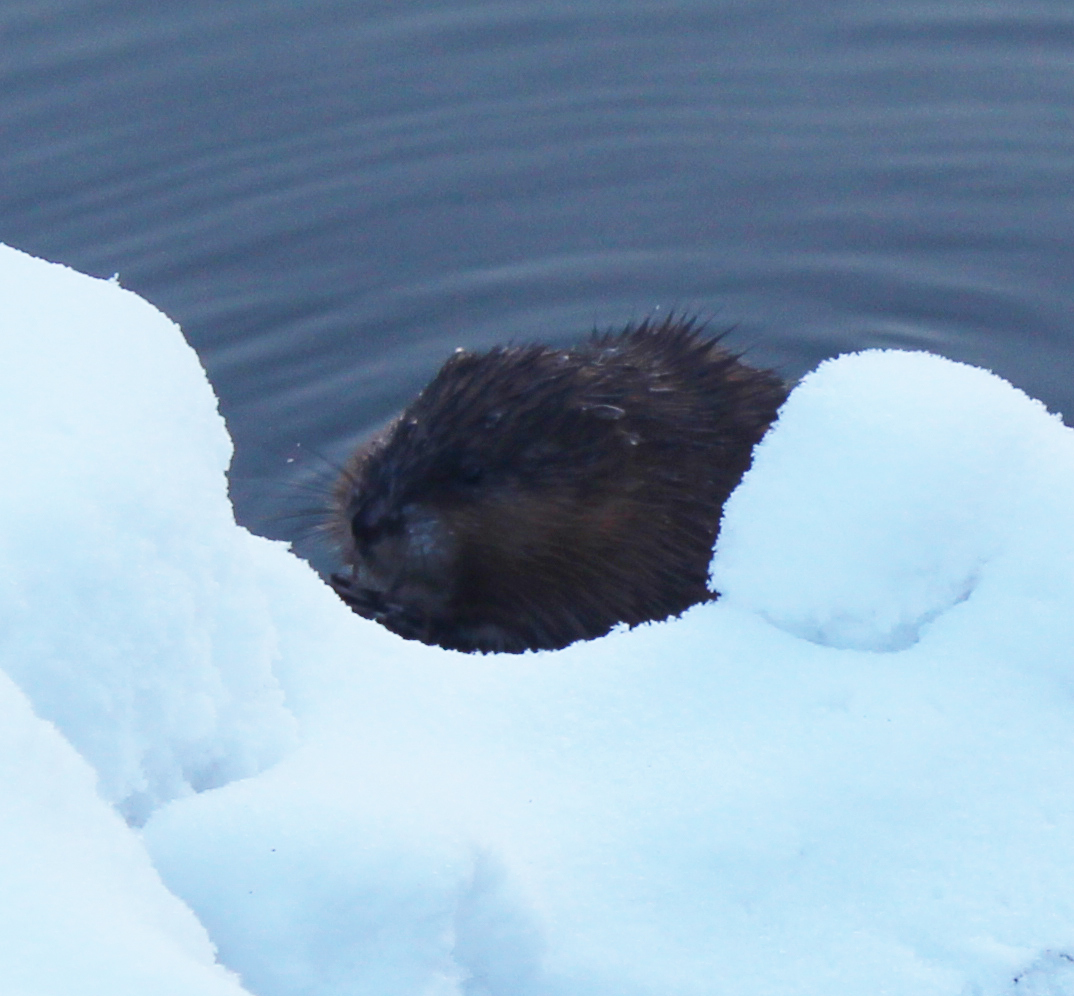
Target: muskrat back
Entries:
(530, 497)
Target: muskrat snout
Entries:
(402, 557)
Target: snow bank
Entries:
(81, 908)
(893, 480)
(131, 617)
(854, 774)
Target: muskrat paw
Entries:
(371, 604)
(367, 602)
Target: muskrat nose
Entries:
(374, 522)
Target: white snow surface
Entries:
(853, 775)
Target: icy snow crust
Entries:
(852, 775)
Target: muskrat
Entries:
(530, 496)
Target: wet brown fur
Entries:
(530, 497)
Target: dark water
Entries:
(331, 196)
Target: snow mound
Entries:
(157, 658)
(83, 910)
(889, 484)
(307, 888)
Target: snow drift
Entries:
(853, 774)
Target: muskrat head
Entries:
(461, 523)
(531, 497)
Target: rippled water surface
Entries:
(331, 196)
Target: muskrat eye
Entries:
(470, 472)
(610, 413)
